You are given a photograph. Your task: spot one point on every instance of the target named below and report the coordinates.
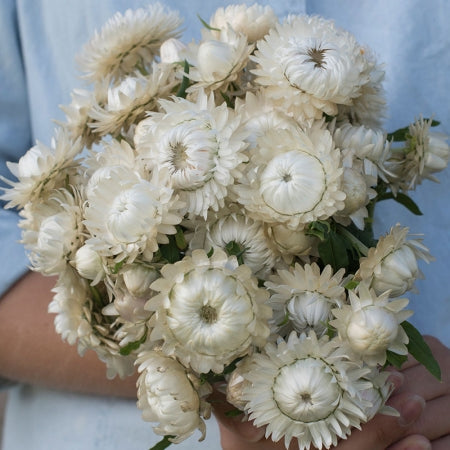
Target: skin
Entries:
(32, 352)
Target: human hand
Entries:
(422, 401)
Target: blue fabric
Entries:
(38, 41)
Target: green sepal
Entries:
(131, 346)
(234, 249)
(117, 267)
(404, 200)
(419, 349)
(163, 443)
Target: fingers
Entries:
(412, 442)
(383, 430)
(442, 443)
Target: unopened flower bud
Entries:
(215, 60)
(88, 262)
(355, 188)
(171, 51)
(138, 278)
(293, 242)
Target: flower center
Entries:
(317, 56)
(306, 391)
(179, 156)
(208, 314)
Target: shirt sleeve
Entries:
(15, 138)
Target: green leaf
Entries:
(180, 239)
(404, 200)
(131, 346)
(184, 82)
(207, 25)
(435, 123)
(319, 229)
(233, 248)
(396, 360)
(163, 443)
(234, 413)
(170, 251)
(352, 284)
(420, 350)
(117, 267)
(333, 251)
(399, 135)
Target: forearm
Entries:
(32, 352)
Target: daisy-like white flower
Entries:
(52, 231)
(370, 324)
(41, 169)
(201, 146)
(217, 62)
(171, 395)
(305, 388)
(253, 21)
(392, 264)
(79, 319)
(127, 215)
(425, 154)
(305, 296)
(209, 311)
(310, 62)
(294, 178)
(246, 234)
(128, 102)
(128, 42)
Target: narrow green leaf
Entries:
(184, 82)
(206, 24)
(399, 135)
(435, 123)
(210, 253)
(163, 443)
(404, 200)
(117, 267)
(396, 360)
(418, 348)
(234, 413)
(233, 248)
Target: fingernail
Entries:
(410, 410)
(419, 446)
(396, 379)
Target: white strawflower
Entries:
(306, 389)
(201, 146)
(425, 153)
(253, 21)
(209, 311)
(129, 101)
(138, 278)
(79, 319)
(218, 62)
(172, 51)
(294, 178)
(307, 60)
(41, 169)
(52, 231)
(89, 264)
(370, 324)
(392, 264)
(128, 41)
(172, 396)
(305, 297)
(127, 215)
(246, 234)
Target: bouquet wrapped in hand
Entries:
(208, 210)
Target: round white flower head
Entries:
(392, 264)
(89, 264)
(129, 101)
(307, 60)
(128, 41)
(294, 178)
(201, 146)
(138, 278)
(172, 51)
(127, 215)
(304, 296)
(79, 319)
(217, 62)
(52, 231)
(253, 21)
(425, 153)
(238, 232)
(172, 396)
(41, 170)
(209, 311)
(306, 389)
(370, 324)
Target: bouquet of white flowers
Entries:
(208, 210)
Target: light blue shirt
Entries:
(38, 42)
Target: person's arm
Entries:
(32, 352)
(421, 399)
